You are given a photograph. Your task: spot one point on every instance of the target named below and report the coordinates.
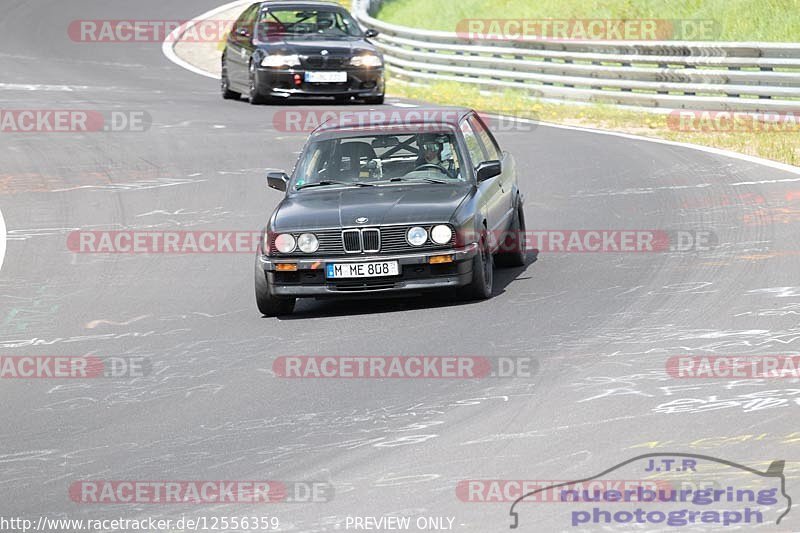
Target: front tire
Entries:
(254, 94)
(268, 304)
(480, 288)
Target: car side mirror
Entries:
(277, 180)
(370, 33)
(488, 170)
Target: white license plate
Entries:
(362, 270)
(326, 77)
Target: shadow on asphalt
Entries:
(352, 306)
(304, 101)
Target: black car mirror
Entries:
(370, 33)
(488, 170)
(277, 180)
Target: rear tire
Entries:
(480, 288)
(268, 304)
(514, 243)
(227, 94)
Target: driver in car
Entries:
(431, 147)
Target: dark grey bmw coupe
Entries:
(281, 49)
(390, 202)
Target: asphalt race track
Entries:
(600, 326)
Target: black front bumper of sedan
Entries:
(363, 82)
(417, 274)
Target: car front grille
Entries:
(371, 240)
(352, 241)
(325, 62)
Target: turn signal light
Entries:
(439, 259)
(286, 267)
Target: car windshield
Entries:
(308, 23)
(380, 159)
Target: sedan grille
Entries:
(371, 240)
(325, 62)
(351, 239)
(385, 240)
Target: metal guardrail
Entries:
(754, 77)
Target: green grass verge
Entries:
(778, 146)
(735, 20)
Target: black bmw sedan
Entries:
(380, 205)
(279, 49)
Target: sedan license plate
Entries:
(362, 270)
(326, 77)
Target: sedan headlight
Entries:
(285, 243)
(366, 61)
(308, 243)
(441, 234)
(417, 236)
(281, 60)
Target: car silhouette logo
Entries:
(362, 220)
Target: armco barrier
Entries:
(754, 77)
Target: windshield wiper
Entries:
(333, 182)
(429, 180)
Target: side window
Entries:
(247, 19)
(474, 147)
(487, 139)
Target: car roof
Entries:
(395, 116)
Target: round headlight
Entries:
(441, 234)
(308, 243)
(285, 243)
(417, 236)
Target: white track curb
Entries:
(168, 49)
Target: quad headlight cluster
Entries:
(418, 236)
(285, 243)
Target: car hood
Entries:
(397, 204)
(335, 47)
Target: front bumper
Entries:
(281, 82)
(416, 274)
